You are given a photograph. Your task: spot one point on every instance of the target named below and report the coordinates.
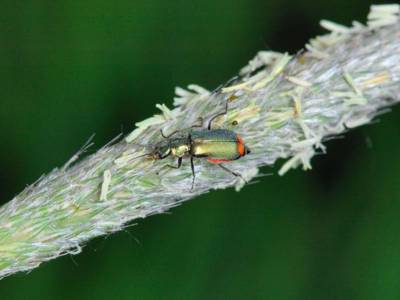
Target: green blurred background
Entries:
(71, 68)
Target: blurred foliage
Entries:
(71, 68)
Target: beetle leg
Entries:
(228, 83)
(218, 115)
(231, 172)
(169, 135)
(193, 173)
(179, 164)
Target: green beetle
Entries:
(218, 146)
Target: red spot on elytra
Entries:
(240, 146)
(218, 161)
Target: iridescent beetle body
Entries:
(217, 145)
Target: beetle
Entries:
(218, 146)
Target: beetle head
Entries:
(161, 150)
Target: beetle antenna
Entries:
(142, 145)
(146, 154)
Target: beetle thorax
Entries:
(180, 150)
